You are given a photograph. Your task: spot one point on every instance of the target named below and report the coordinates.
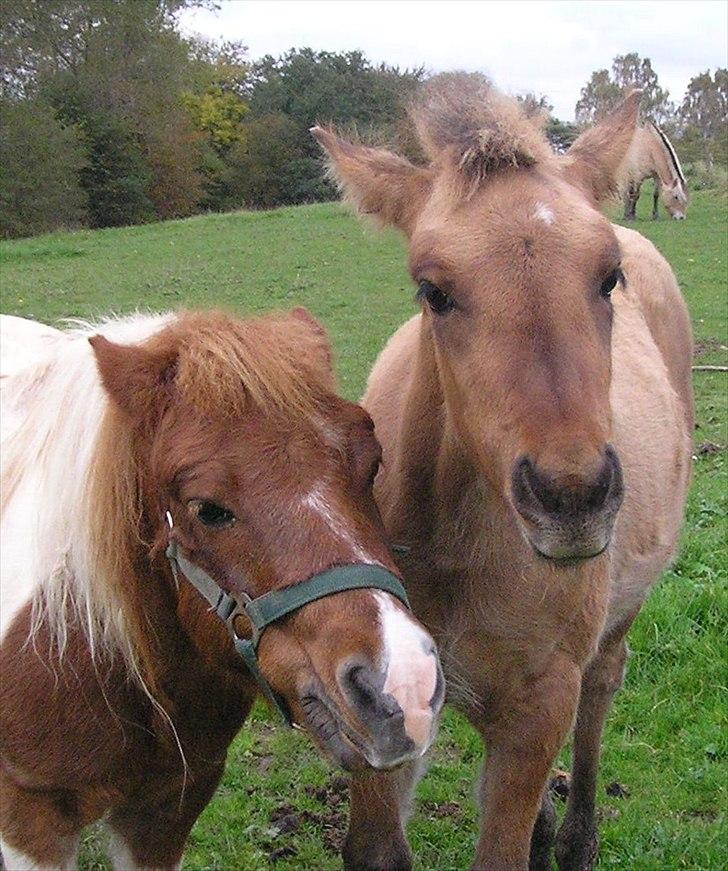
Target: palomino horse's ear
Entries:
(134, 377)
(377, 181)
(593, 160)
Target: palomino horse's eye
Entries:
(610, 282)
(212, 514)
(437, 299)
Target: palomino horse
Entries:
(545, 384)
(652, 155)
(221, 441)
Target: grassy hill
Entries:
(663, 743)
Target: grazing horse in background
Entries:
(222, 442)
(652, 155)
(535, 420)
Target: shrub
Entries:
(270, 167)
(705, 176)
(116, 177)
(40, 158)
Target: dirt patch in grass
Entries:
(707, 448)
(442, 810)
(707, 346)
(329, 822)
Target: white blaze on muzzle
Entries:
(410, 665)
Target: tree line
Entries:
(110, 116)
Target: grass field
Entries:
(666, 739)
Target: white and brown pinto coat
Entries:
(536, 425)
(120, 691)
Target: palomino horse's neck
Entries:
(439, 477)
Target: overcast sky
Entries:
(547, 47)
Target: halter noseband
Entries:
(276, 604)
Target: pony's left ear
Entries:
(593, 160)
(135, 378)
(378, 182)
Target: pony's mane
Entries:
(464, 118)
(78, 447)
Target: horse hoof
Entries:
(578, 852)
(396, 858)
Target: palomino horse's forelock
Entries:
(460, 117)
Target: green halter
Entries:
(276, 604)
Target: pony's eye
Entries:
(610, 282)
(439, 301)
(212, 514)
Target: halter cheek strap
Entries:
(276, 604)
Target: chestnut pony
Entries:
(222, 441)
(535, 420)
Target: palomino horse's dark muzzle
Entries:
(571, 519)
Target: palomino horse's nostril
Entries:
(536, 494)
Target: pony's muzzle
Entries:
(399, 721)
(568, 519)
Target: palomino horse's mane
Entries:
(77, 449)
(464, 118)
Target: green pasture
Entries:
(666, 742)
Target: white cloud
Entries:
(547, 47)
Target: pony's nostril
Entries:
(363, 686)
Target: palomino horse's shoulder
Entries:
(649, 275)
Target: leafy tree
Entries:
(305, 87)
(310, 86)
(561, 134)
(604, 91)
(114, 68)
(271, 166)
(116, 178)
(702, 116)
(218, 114)
(40, 159)
(535, 105)
(39, 38)
(598, 97)
(630, 71)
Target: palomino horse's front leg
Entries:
(380, 804)
(577, 841)
(630, 202)
(522, 745)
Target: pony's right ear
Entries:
(378, 182)
(135, 378)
